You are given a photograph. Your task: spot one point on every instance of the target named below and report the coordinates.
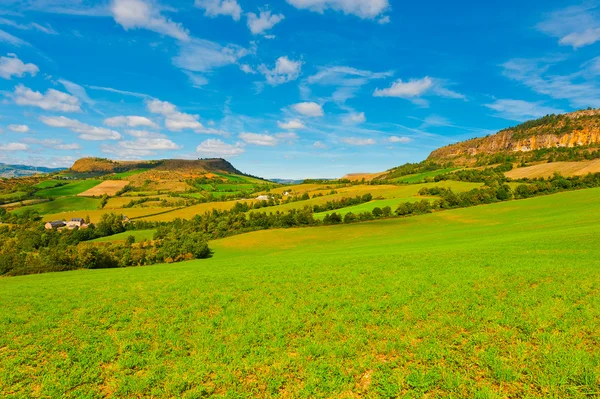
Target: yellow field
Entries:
(548, 169)
(360, 176)
(300, 189)
(109, 187)
(191, 211)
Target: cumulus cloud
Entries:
(12, 66)
(140, 147)
(52, 100)
(175, 120)
(259, 139)
(402, 140)
(54, 144)
(293, 124)
(140, 14)
(218, 148)
(214, 8)
(285, 71)
(259, 24)
(144, 134)
(85, 131)
(354, 118)
(7, 38)
(130, 121)
(320, 145)
(14, 147)
(414, 89)
(575, 26)
(520, 110)
(18, 128)
(357, 141)
(308, 109)
(366, 9)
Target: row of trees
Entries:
(29, 248)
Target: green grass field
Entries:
(369, 206)
(123, 175)
(64, 204)
(420, 177)
(495, 301)
(73, 188)
(48, 184)
(138, 234)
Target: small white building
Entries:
(263, 198)
(75, 222)
(57, 224)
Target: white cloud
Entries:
(575, 26)
(200, 55)
(117, 91)
(288, 136)
(366, 9)
(144, 134)
(217, 148)
(435, 120)
(177, 121)
(396, 139)
(140, 14)
(345, 76)
(259, 139)
(85, 131)
(414, 89)
(6, 37)
(18, 128)
(214, 8)
(293, 124)
(52, 100)
(285, 71)
(196, 79)
(76, 90)
(357, 141)
(263, 22)
(308, 109)
(30, 26)
(520, 110)
(140, 147)
(247, 69)
(12, 66)
(130, 121)
(580, 88)
(14, 147)
(354, 118)
(320, 145)
(54, 144)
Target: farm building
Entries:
(76, 222)
(263, 198)
(57, 224)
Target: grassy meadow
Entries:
(494, 301)
(63, 204)
(139, 235)
(73, 188)
(369, 206)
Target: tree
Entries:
(349, 217)
(387, 211)
(130, 240)
(377, 212)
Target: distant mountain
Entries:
(287, 181)
(579, 130)
(105, 166)
(24, 170)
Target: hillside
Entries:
(8, 171)
(545, 137)
(103, 165)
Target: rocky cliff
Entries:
(581, 128)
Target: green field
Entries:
(420, 177)
(138, 234)
(123, 175)
(494, 301)
(73, 188)
(64, 204)
(369, 206)
(48, 183)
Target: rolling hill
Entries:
(8, 171)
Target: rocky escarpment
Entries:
(103, 165)
(581, 128)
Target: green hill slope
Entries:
(493, 301)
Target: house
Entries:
(286, 194)
(125, 219)
(57, 224)
(75, 222)
(263, 198)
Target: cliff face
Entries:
(101, 165)
(580, 128)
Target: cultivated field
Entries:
(548, 169)
(495, 301)
(109, 187)
(73, 188)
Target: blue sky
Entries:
(294, 88)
